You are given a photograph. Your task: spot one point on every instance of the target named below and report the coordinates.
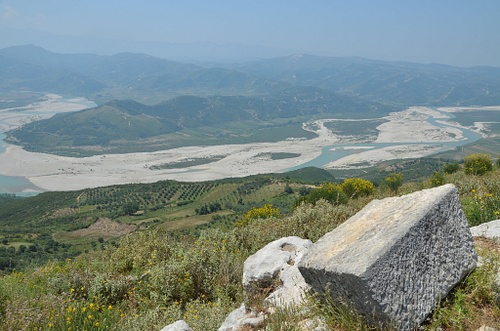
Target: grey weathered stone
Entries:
(396, 258)
(180, 325)
(489, 230)
(277, 263)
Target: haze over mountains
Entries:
(127, 75)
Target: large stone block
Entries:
(396, 258)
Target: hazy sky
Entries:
(457, 32)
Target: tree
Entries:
(304, 190)
(130, 207)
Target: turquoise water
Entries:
(15, 184)
(18, 184)
(327, 155)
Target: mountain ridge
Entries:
(144, 77)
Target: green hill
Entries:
(127, 126)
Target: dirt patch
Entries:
(64, 212)
(487, 244)
(104, 227)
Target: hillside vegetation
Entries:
(156, 276)
(57, 225)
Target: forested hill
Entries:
(127, 123)
(402, 83)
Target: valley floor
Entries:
(408, 134)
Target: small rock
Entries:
(486, 328)
(241, 317)
(180, 325)
(488, 230)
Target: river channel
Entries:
(337, 151)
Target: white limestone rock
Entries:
(241, 317)
(488, 230)
(277, 263)
(486, 328)
(396, 258)
(180, 325)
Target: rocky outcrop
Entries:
(396, 258)
(180, 325)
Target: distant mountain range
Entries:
(142, 97)
(152, 80)
(399, 83)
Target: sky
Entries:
(455, 32)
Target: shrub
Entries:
(437, 179)
(328, 191)
(478, 164)
(394, 181)
(451, 168)
(357, 187)
(481, 207)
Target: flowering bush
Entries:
(266, 211)
(478, 164)
(481, 207)
(356, 187)
(451, 168)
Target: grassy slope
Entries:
(156, 276)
